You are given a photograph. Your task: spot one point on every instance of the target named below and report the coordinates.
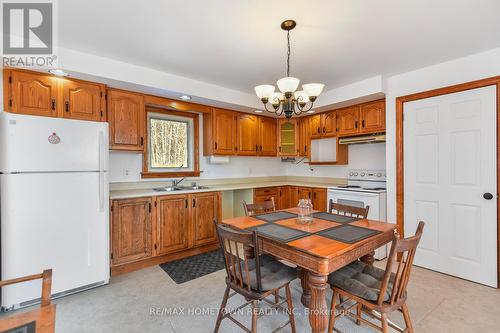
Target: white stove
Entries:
(365, 187)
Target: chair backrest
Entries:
(401, 256)
(346, 210)
(259, 207)
(234, 244)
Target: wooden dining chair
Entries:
(347, 210)
(259, 207)
(41, 319)
(253, 276)
(375, 291)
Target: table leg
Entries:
(368, 259)
(318, 309)
(306, 292)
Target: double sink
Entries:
(180, 188)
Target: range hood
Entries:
(362, 139)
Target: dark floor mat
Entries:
(186, 269)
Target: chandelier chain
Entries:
(288, 54)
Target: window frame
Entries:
(195, 172)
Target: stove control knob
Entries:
(379, 174)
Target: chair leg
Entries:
(406, 316)
(331, 323)
(289, 303)
(222, 309)
(359, 308)
(385, 324)
(255, 311)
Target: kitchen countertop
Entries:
(124, 193)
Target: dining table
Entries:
(326, 243)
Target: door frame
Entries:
(400, 146)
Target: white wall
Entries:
(474, 67)
(360, 156)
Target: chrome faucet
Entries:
(177, 182)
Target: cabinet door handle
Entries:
(67, 106)
(53, 104)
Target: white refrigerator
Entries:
(54, 207)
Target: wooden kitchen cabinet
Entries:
(83, 100)
(373, 117)
(348, 121)
(131, 221)
(329, 124)
(248, 128)
(305, 193)
(31, 93)
(172, 224)
(126, 115)
(288, 137)
(205, 207)
(315, 126)
(304, 136)
(220, 132)
(319, 199)
(267, 137)
(152, 230)
(41, 94)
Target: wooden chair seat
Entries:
(361, 280)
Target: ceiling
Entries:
(239, 44)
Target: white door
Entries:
(449, 165)
(58, 221)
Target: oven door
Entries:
(377, 210)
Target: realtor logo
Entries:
(28, 30)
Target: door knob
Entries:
(488, 196)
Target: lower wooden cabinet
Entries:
(319, 199)
(172, 223)
(144, 230)
(205, 207)
(131, 225)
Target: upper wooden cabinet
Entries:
(172, 221)
(329, 124)
(31, 93)
(373, 117)
(288, 137)
(83, 100)
(205, 207)
(348, 121)
(248, 134)
(41, 94)
(365, 118)
(219, 132)
(267, 137)
(126, 120)
(315, 126)
(130, 230)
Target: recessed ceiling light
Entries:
(258, 111)
(185, 97)
(311, 111)
(58, 72)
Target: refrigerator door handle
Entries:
(101, 171)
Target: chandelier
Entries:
(289, 101)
